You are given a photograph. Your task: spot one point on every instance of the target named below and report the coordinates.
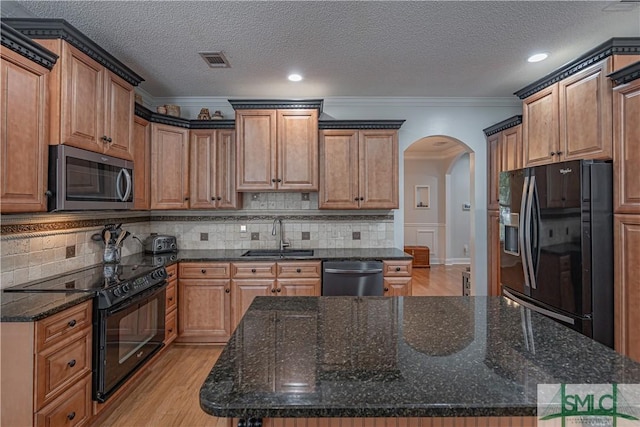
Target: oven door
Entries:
(125, 337)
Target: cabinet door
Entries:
(118, 126)
(202, 170)
(511, 148)
(397, 286)
(338, 169)
(23, 134)
(540, 132)
(225, 174)
(585, 114)
(169, 167)
(297, 150)
(243, 293)
(493, 253)
(82, 88)
(378, 167)
(256, 140)
(495, 166)
(141, 164)
(299, 287)
(295, 356)
(203, 313)
(626, 158)
(627, 285)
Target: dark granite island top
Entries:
(399, 357)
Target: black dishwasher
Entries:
(352, 278)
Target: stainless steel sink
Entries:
(278, 254)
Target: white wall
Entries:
(459, 220)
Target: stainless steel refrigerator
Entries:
(556, 232)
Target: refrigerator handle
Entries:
(521, 234)
(527, 232)
(537, 309)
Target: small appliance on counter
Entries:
(158, 244)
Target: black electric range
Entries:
(112, 283)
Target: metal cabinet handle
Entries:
(298, 270)
(273, 291)
(226, 291)
(71, 416)
(72, 323)
(356, 199)
(72, 363)
(203, 271)
(219, 198)
(186, 199)
(273, 180)
(397, 268)
(104, 138)
(559, 153)
(278, 290)
(553, 153)
(386, 289)
(361, 198)
(253, 270)
(171, 330)
(279, 180)
(170, 299)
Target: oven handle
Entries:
(148, 294)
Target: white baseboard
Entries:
(453, 261)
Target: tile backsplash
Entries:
(32, 255)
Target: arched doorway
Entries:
(438, 189)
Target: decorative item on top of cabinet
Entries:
(46, 369)
(142, 162)
(397, 278)
(504, 141)
(169, 167)
(277, 145)
(212, 180)
(24, 123)
(204, 299)
(359, 164)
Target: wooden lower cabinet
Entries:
(171, 306)
(244, 291)
(397, 278)
(204, 313)
(627, 285)
(56, 353)
(494, 249)
(626, 148)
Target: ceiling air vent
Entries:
(215, 59)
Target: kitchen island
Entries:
(399, 357)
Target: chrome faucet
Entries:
(282, 244)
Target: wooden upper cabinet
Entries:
(142, 164)
(373, 184)
(626, 143)
(297, 135)
(91, 108)
(494, 168)
(169, 167)
(585, 114)
(511, 148)
(378, 165)
(277, 149)
(540, 127)
(23, 135)
(338, 171)
(212, 170)
(570, 119)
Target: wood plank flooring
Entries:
(168, 395)
(439, 280)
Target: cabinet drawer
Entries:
(59, 326)
(60, 366)
(171, 297)
(299, 269)
(172, 272)
(73, 408)
(217, 270)
(170, 327)
(250, 270)
(397, 268)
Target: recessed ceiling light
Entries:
(538, 57)
(295, 77)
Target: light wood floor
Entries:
(439, 280)
(169, 394)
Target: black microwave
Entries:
(84, 180)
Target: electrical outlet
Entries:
(255, 196)
(243, 228)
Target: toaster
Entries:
(158, 244)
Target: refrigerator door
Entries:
(555, 240)
(512, 215)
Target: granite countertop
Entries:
(32, 306)
(395, 356)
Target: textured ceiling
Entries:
(419, 48)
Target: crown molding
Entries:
(360, 124)
(505, 124)
(626, 74)
(407, 101)
(23, 45)
(614, 46)
(257, 104)
(61, 29)
(145, 113)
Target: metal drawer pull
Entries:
(253, 270)
(170, 299)
(339, 271)
(298, 270)
(203, 271)
(397, 268)
(72, 323)
(72, 363)
(71, 416)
